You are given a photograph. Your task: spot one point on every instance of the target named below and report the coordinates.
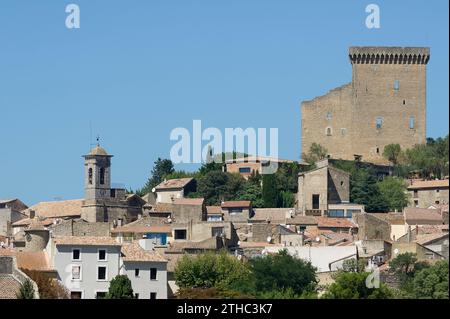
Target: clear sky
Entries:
(138, 69)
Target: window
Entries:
(416, 203)
(180, 234)
(101, 254)
(90, 176)
(436, 202)
(100, 295)
(404, 102)
(315, 201)
(343, 131)
(378, 123)
(329, 116)
(76, 272)
(136, 272)
(214, 218)
(437, 190)
(153, 295)
(217, 231)
(153, 272)
(113, 192)
(102, 176)
(328, 131)
(244, 170)
(76, 255)
(234, 211)
(339, 213)
(411, 122)
(101, 273)
(396, 85)
(378, 150)
(416, 193)
(76, 294)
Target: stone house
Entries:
(245, 166)
(10, 212)
(425, 194)
(325, 191)
(169, 190)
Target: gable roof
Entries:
(213, 210)
(174, 183)
(302, 220)
(236, 204)
(420, 184)
(65, 208)
(422, 216)
(189, 201)
(9, 286)
(85, 241)
(426, 239)
(133, 252)
(335, 222)
(142, 229)
(33, 260)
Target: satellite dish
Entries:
(239, 257)
(239, 243)
(2, 244)
(317, 239)
(396, 251)
(153, 190)
(269, 239)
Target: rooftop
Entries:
(65, 208)
(33, 260)
(142, 229)
(135, 253)
(174, 183)
(188, 201)
(420, 184)
(422, 216)
(85, 241)
(236, 204)
(335, 222)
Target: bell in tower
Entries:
(97, 180)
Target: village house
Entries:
(325, 191)
(10, 212)
(424, 194)
(169, 190)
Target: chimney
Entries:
(32, 214)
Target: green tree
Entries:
(269, 191)
(432, 282)
(364, 190)
(392, 153)
(120, 288)
(353, 265)
(287, 199)
(252, 192)
(212, 187)
(161, 168)
(26, 290)
(393, 191)
(234, 186)
(282, 271)
(316, 153)
(211, 270)
(352, 285)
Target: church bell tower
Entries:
(97, 178)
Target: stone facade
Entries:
(371, 227)
(385, 103)
(319, 188)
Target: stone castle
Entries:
(385, 103)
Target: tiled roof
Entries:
(274, 215)
(66, 208)
(213, 210)
(29, 221)
(7, 252)
(33, 260)
(9, 286)
(302, 220)
(174, 183)
(188, 201)
(422, 216)
(235, 204)
(134, 252)
(334, 222)
(391, 217)
(86, 241)
(419, 184)
(255, 159)
(163, 207)
(428, 238)
(141, 229)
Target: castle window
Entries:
(329, 116)
(396, 85)
(379, 123)
(411, 122)
(90, 175)
(343, 131)
(102, 176)
(404, 102)
(328, 131)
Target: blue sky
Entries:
(138, 69)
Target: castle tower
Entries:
(97, 178)
(385, 103)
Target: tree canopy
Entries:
(120, 288)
